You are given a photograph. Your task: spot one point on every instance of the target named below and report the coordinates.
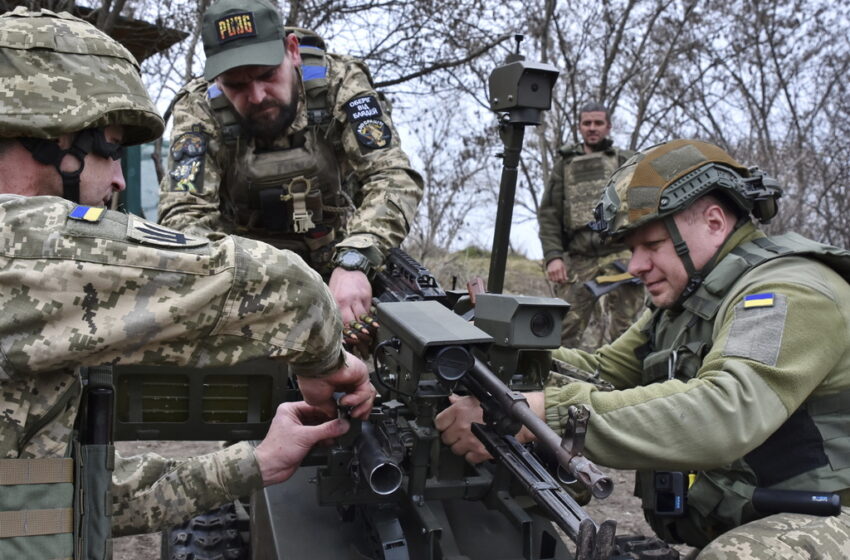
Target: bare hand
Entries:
(352, 293)
(292, 433)
(352, 378)
(556, 271)
(455, 423)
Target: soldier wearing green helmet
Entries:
(83, 286)
(735, 382)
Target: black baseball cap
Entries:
(241, 33)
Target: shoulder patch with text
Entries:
(152, 234)
(235, 26)
(373, 133)
(361, 108)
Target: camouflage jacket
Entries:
(568, 201)
(386, 189)
(87, 287)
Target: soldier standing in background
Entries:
(83, 286)
(572, 252)
(283, 142)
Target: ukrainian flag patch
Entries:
(86, 214)
(758, 300)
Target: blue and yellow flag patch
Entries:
(86, 214)
(758, 300)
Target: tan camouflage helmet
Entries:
(59, 75)
(669, 177)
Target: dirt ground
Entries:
(621, 506)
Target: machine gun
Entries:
(427, 351)
(401, 492)
(399, 482)
(403, 278)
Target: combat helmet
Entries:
(61, 75)
(667, 178)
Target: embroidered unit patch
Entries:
(373, 133)
(363, 108)
(86, 214)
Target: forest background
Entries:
(764, 79)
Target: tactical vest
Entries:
(585, 176)
(61, 508)
(292, 198)
(720, 500)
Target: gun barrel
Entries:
(378, 469)
(580, 467)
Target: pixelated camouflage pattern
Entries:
(386, 200)
(633, 195)
(151, 493)
(79, 293)
(785, 536)
(592, 322)
(59, 74)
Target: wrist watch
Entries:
(351, 259)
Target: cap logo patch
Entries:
(236, 26)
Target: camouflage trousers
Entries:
(592, 322)
(785, 536)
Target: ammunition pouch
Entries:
(95, 460)
(37, 508)
(93, 500)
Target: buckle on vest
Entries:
(302, 218)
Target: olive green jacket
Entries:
(727, 397)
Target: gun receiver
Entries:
(405, 279)
(425, 343)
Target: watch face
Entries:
(352, 260)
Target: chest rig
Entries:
(54, 506)
(720, 500)
(292, 197)
(585, 175)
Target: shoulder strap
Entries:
(743, 258)
(314, 72)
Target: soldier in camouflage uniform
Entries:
(572, 252)
(738, 376)
(292, 145)
(85, 286)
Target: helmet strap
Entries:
(47, 152)
(694, 278)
